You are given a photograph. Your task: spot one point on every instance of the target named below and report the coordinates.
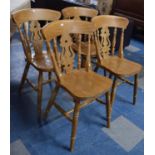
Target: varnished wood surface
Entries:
(82, 84)
(86, 14)
(28, 20)
(25, 15)
(117, 65)
(121, 66)
(110, 21)
(77, 12)
(29, 26)
(57, 28)
(103, 23)
(42, 62)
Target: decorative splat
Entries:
(104, 42)
(36, 37)
(67, 54)
(77, 17)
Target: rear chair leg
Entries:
(135, 88)
(51, 102)
(96, 69)
(49, 75)
(110, 75)
(74, 124)
(49, 78)
(113, 90)
(105, 72)
(27, 66)
(108, 109)
(39, 104)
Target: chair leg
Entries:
(108, 109)
(51, 101)
(39, 104)
(105, 72)
(96, 69)
(49, 75)
(113, 90)
(135, 88)
(49, 78)
(24, 76)
(74, 124)
(110, 75)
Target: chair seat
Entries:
(121, 66)
(42, 62)
(84, 48)
(83, 84)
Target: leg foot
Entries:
(108, 109)
(135, 88)
(113, 90)
(24, 76)
(74, 124)
(39, 105)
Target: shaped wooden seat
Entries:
(121, 67)
(107, 59)
(28, 22)
(83, 84)
(42, 62)
(89, 84)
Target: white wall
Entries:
(19, 4)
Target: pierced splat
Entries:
(105, 43)
(36, 37)
(67, 54)
(77, 17)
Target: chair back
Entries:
(103, 25)
(78, 13)
(59, 33)
(29, 22)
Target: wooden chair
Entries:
(28, 24)
(82, 84)
(86, 14)
(116, 64)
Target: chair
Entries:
(29, 26)
(82, 84)
(86, 14)
(116, 64)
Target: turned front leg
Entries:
(74, 124)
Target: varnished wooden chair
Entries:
(86, 14)
(28, 24)
(82, 84)
(116, 64)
